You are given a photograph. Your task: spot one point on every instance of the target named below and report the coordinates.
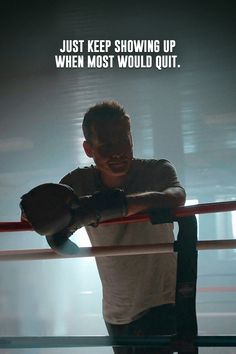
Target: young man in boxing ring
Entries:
(138, 290)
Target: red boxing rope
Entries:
(177, 212)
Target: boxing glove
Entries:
(54, 210)
(48, 207)
(100, 206)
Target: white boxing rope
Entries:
(37, 254)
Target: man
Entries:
(138, 291)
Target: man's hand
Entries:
(54, 210)
(47, 207)
(51, 208)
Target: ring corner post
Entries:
(186, 281)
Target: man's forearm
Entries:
(169, 198)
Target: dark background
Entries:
(187, 115)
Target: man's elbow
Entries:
(180, 197)
(176, 196)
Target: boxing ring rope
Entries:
(204, 208)
(106, 341)
(186, 339)
(37, 254)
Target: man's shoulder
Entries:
(152, 163)
(78, 173)
(156, 174)
(150, 169)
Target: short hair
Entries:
(103, 113)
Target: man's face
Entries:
(111, 149)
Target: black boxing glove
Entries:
(100, 206)
(55, 210)
(90, 210)
(48, 207)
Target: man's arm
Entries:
(171, 197)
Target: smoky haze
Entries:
(186, 115)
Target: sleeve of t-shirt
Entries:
(166, 175)
(81, 180)
(73, 179)
(65, 179)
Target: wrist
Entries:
(110, 204)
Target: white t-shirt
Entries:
(132, 284)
